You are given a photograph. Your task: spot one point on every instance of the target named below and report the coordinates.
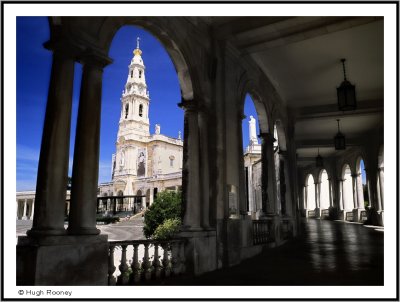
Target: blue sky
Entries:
(33, 74)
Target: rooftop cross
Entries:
(137, 42)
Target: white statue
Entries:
(158, 128)
(252, 131)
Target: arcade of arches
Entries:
(296, 118)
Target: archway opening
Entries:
(310, 194)
(361, 185)
(252, 157)
(145, 121)
(347, 195)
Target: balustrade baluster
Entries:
(146, 264)
(111, 266)
(156, 262)
(135, 276)
(165, 261)
(123, 278)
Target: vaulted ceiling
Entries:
(301, 56)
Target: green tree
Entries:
(166, 206)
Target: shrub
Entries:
(166, 206)
(167, 229)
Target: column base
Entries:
(357, 214)
(317, 212)
(83, 231)
(62, 260)
(36, 232)
(200, 251)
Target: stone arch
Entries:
(247, 86)
(163, 31)
(280, 134)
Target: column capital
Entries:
(241, 116)
(380, 169)
(94, 58)
(189, 106)
(63, 47)
(355, 175)
(282, 153)
(317, 183)
(267, 136)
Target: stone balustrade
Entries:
(261, 231)
(325, 214)
(159, 259)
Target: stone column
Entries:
(282, 181)
(24, 216)
(371, 194)
(190, 174)
(268, 205)
(341, 195)
(305, 198)
(355, 195)
(330, 193)
(381, 188)
(82, 218)
(52, 174)
(360, 193)
(317, 199)
(203, 123)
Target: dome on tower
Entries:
(137, 59)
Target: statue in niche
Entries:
(126, 110)
(140, 110)
(122, 159)
(141, 164)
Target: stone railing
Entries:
(261, 231)
(363, 216)
(325, 214)
(349, 216)
(159, 259)
(311, 214)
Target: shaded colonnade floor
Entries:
(326, 253)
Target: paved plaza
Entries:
(131, 229)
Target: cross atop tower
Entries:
(137, 42)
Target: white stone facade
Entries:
(144, 163)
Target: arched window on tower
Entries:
(140, 110)
(140, 74)
(126, 110)
(131, 73)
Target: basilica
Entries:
(143, 163)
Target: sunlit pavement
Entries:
(124, 230)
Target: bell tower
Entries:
(134, 120)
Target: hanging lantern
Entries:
(340, 141)
(346, 93)
(319, 161)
